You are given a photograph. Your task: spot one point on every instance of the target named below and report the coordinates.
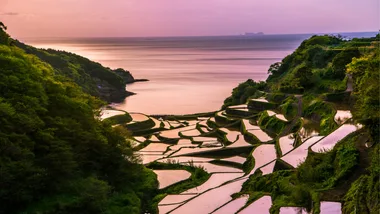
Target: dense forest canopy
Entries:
(55, 156)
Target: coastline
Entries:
(268, 135)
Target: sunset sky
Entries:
(118, 18)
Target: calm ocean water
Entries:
(187, 74)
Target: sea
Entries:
(186, 74)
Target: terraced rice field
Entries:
(267, 169)
(233, 206)
(192, 151)
(240, 142)
(154, 138)
(249, 126)
(242, 106)
(331, 140)
(140, 139)
(231, 135)
(286, 143)
(168, 177)
(185, 159)
(208, 144)
(236, 159)
(157, 123)
(263, 155)
(261, 99)
(204, 139)
(221, 150)
(155, 147)
(137, 117)
(261, 135)
(299, 154)
(262, 205)
(175, 199)
(330, 207)
(148, 158)
(191, 133)
(210, 200)
(107, 113)
(214, 181)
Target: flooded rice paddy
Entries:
(286, 143)
(233, 206)
(331, 140)
(168, 177)
(262, 206)
(221, 149)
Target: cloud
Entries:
(9, 14)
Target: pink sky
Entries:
(97, 18)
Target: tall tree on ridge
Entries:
(2, 26)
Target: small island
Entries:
(253, 34)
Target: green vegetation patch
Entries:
(363, 195)
(318, 65)
(119, 119)
(261, 106)
(187, 116)
(224, 120)
(249, 164)
(365, 74)
(246, 90)
(338, 97)
(276, 97)
(271, 123)
(239, 112)
(324, 113)
(289, 107)
(138, 126)
(227, 163)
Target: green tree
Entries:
(274, 68)
(2, 26)
(304, 73)
(3, 35)
(341, 60)
(365, 72)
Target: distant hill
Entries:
(253, 34)
(92, 77)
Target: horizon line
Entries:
(220, 35)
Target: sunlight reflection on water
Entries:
(187, 74)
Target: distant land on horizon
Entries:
(246, 34)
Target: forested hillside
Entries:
(55, 156)
(323, 74)
(92, 77)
